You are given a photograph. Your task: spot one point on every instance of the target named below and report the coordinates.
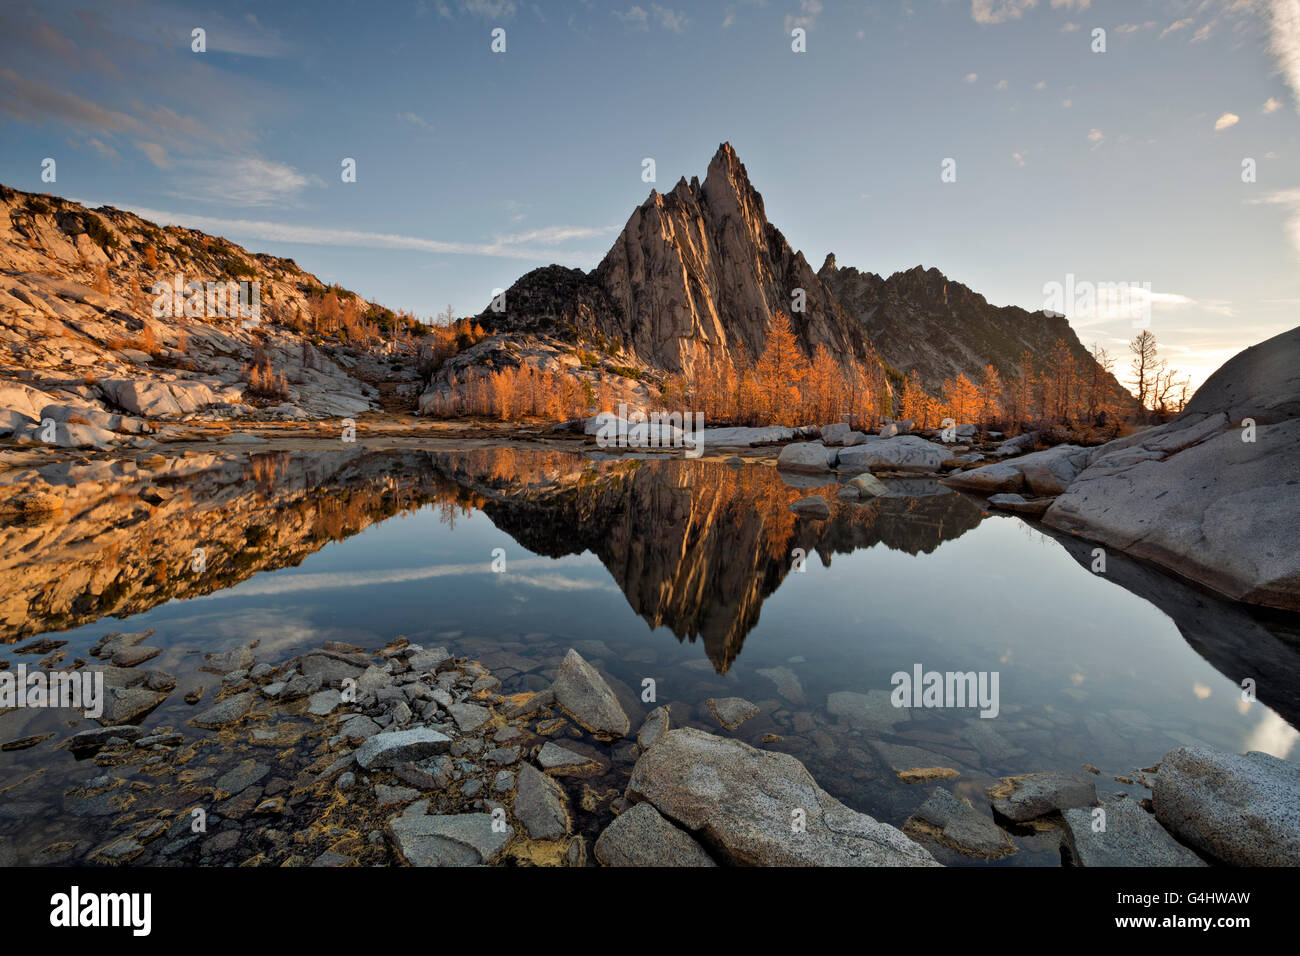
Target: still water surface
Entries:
(685, 573)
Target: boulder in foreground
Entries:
(585, 696)
(642, 837)
(1243, 810)
(745, 805)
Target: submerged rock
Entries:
(731, 712)
(1243, 810)
(873, 710)
(756, 808)
(225, 712)
(128, 705)
(957, 825)
(786, 681)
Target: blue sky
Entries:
(474, 167)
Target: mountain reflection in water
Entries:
(616, 558)
(695, 546)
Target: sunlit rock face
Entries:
(697, 273)
(106, 329)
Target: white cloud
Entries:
(1096, 137)
(808, 13)
(670, 19)
(635, 17)
(1021, 159)
(1040, 85)
(415, 120)
(108, 152)
(1271, 105)
(157, 155)
(242, 181)
(501, 248)
(970, 77)
(1202, 34)
(1071, 4)
(550, 235)
(1226, 121)
(1284, 41)
(1001, 86)
(33, 102)
(1177, 25)
(999, 11)
(490, 9)
(1290, 199)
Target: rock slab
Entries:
(755, 808)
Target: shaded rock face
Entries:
(1241, 810)
(697, 272)
(920, 319)
(1198, 498)
(746, 806)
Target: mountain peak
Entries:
(727, 165)
(729, 194)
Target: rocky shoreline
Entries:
(412, 755)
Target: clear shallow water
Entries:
(681, 572)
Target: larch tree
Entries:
(781, 369)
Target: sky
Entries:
(473, 166)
